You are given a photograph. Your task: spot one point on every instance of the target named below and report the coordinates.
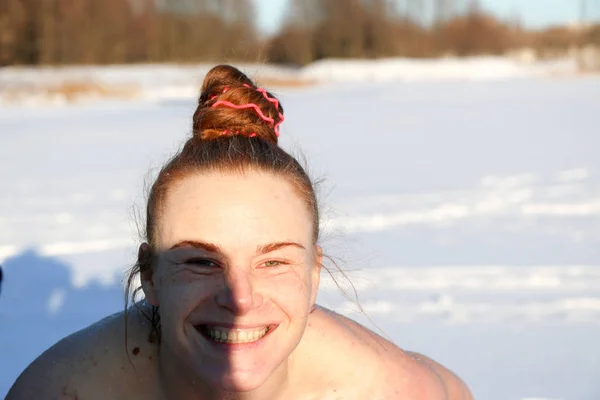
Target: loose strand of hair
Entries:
(354, 297)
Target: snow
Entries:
(31, 86)
(410, 70)
(466, 211)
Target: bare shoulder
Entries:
(91, 363)
(389, 371)
(454, 387)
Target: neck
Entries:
(177, 382)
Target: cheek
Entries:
(292, 292)
(180, 295)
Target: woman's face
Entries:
(236, 276)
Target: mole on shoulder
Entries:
(65, 392)
(136, 351)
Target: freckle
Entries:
(150, 358)
(136, 351)
(95, 363)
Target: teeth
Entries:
(224, 335)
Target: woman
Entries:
(230, 273)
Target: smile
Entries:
(221, 334)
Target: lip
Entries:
(235, 346)
(233, 326)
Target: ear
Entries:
(147, 274)
(316, 275)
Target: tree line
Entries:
(58, 32)
(125, 31)
(316, 29)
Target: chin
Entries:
(234, 381)
(241, 382)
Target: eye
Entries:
(202, 262)
(272, 264)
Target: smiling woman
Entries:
(230, 272)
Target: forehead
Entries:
(233, 209)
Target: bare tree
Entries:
(120, 31)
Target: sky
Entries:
(534, 13)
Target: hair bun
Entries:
(231, 104)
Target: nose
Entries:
(237, 293)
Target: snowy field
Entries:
(466, 213)
(31, 86)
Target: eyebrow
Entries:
(213, 248)
(210, 247)
(267, 248)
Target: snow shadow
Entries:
(39, 305)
